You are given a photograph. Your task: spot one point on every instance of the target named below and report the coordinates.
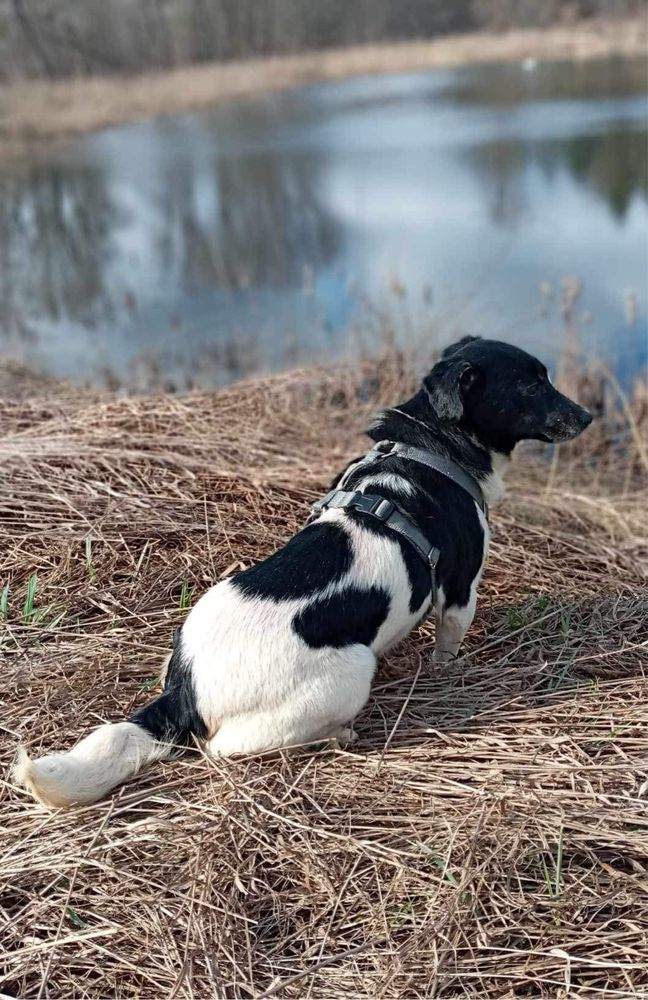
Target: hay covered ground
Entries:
(487, 836)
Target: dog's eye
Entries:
(541, 379)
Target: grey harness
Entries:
(388, 512)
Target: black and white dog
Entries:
(284, 653)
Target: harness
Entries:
(388, 512)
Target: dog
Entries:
(284, 653)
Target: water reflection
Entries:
(612, 165)
(55, 234)
(596, 81)
(200, 248)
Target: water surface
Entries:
(201, 247)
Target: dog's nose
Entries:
(586, 417)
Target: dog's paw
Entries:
(343, 736)
(442, 658)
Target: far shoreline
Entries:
(37, 112)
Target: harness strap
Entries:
(439, 463)
(387, 513)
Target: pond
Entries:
(510, 201)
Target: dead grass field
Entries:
(486, 837)
(33, 111)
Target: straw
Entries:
(486, 836)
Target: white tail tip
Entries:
(91, 769)
(39, 778)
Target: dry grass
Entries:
(488, 834)
(42, 110)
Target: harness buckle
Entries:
(381, 508)
(433, 558)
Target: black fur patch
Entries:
(316, 557)
(418, 573)
(351, 616)
(174, 716)
(443, 511)
(461, 541)
(420, 576)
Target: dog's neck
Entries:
(492, 485)
(414, 422)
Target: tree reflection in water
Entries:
(216, 244)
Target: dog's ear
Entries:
(448, 385)
(453, 348)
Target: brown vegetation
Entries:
(39, 110)
(486, 836)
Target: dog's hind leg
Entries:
(452, 623)
(259, 734)
(321, 708)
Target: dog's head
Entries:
(501, 395)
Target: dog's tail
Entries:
(115, 751)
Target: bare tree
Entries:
(58, 38)
(34, 41)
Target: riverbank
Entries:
(485, 836)
(36, 111)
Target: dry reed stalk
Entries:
(496, 847)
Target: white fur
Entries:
(92, 768)
(492, 485)
(391, 481)
(259, 686)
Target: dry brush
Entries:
(488, 834)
